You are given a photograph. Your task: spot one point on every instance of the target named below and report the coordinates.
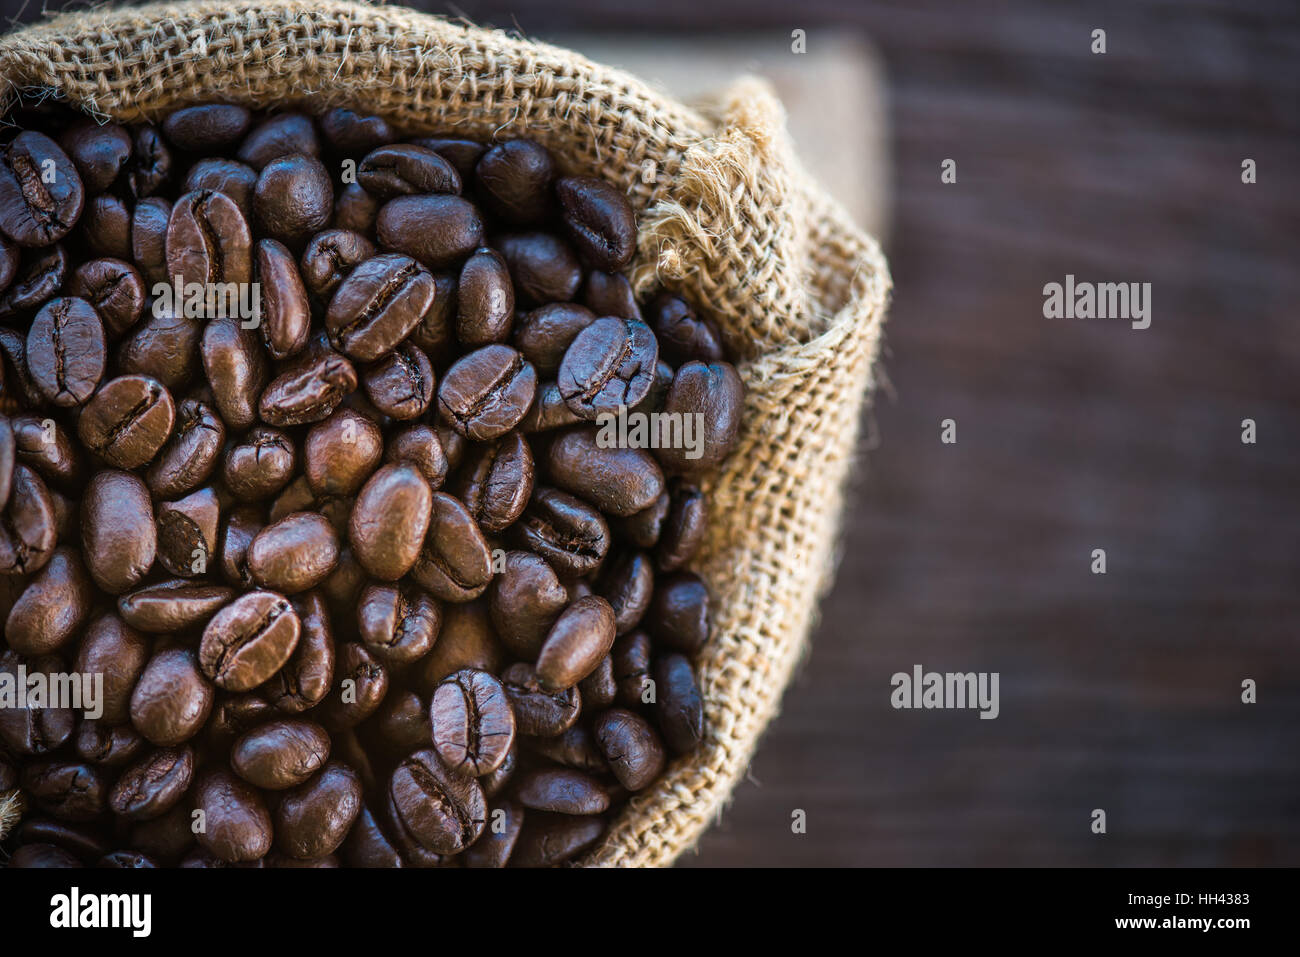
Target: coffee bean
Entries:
(41, 194)
(171, 701)
(631, 746)
(237, 823)
(598, 220)
(434, 807)
(237, 533)
(460, 153)
(350, 132)
(610, 294)
(68, 790)
(366, 844)
(127, 421)
(561, 791)
(360, 683)
(398, 625)
(514, 179)
(27, 527)
(46, 447)
(208, 240)
(282, 135)
(684, 528)
(472, 721)
(714, 394)
(341, 452)
(436, 230)
(207, 127)
(544, 334)
(176, 604)
(679, 613)
(259, 465)
(567, 532)
(66, 351)
(544, 267)
(526, 599)
(309, 389)
(119, 539)
(539, 712)
(187, 532)
(405, 170)
(149, 223)
(630, 660)
(548, 411)
(106, 226)
(306, 677)
(465, 641)
(331, 256)
(42, 855)
(486, 393)
(237, 371)
(618, 481)
(110, 646)
(99, 152)
(313, 819)
(401, 384)
(575, 749)
(682, 335)
(389, 521)
(295, 554)
(249, 640)
(485, 300)
(10, 258)
(599, 689)
(627, 584)
(153, 786)
(53, 606)
(580, 637)
(610, 364)
(356, 210)
(33, 730)
(550, 839)
(190, 455)
(165, 346)
(280, 754)
(495, 845)
(435, 333)
(286, 316)
(293, 198)
(378, 305)
(496, 482)
(114, 288)
(455, 563)
(227, 176)
(108, 747)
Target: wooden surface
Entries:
(1119, 691)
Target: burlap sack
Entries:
(728, 219)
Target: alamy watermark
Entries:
(946, 690)
(1102, 300)
(75, 691)
(209, 300)
(651, 430)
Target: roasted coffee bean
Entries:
(280, 754)
(27, 525)
(249, 640)
(570, 534)
(341, 453)
(154, 785)
(627, 584)
(172, 700)
(67, 790)
(631, 746)
(401, 725)
(227, 176)
(282, 135)
(53, 606)
(472, 721)
(305, 678)
(487, 392)
(544, 267)
(237, 533)
(539, 712)
(610, 294)
(350, 132)
(599, 689)
(237, 823)
(149, 223)
(176, 604)
(356, 210)
(40, 275)
(575, 748)
(360, 683)
(485, 300)
(237, 371)
(434, 807)
(331, 256)
(561, 791)
(259, 465)
(543, 335)
(434, 334)
(678, 706)
(108, 746)
(119, 539)
(114, 288)
(453, 443)
(398, 625)
(682, 335)
(106, 226)
(127, 421)
(494, 782)
(598, 220)
(526, 599)
(366, 844)
(581, 636)
(550, 839)
(401, 384)
(465, 641)
(378, 305)
(390, 520)
(32, 730)
(190, 455)
(165, 346)
(679, 613)
(151, 162)
(295, 554)
(100, 152)
(437, 230)
(495, 845)
(496, 482)
(455, 563)
(312, 820)
(406, 170)
(683, 528)
(630, 660)
(610, 364)
(462, 154)
(208, 240)
(514, 179)
(41, 194)
(308, 390)
(66, 351)
(286, 316)
(187, 532)
(618, 481)
(548, 411)
(714, 395)
(207, 127)
(111, 647)
(293, 198)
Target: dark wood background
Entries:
(1120, 691)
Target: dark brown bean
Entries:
(631, 746)
(249, 640)
(472, 722)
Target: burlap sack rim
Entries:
(809, 345)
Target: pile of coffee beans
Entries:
(303, 459)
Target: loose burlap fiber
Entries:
(728, 220)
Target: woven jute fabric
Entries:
(728, 220)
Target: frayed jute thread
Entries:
(728, 220)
